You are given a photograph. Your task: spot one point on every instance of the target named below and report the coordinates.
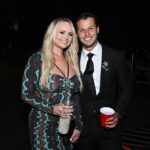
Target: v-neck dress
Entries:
(42, 123)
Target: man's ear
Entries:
(98, 29)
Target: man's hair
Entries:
(86, 15)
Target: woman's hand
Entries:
(62, 110)
(75, 136)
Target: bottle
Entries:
(64, 123)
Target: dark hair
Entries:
(86, 15)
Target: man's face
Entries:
(87, 32)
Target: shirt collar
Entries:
(95, 51)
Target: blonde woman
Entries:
(50, 77)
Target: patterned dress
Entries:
(42, 123)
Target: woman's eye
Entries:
(70, 34)
(62, 32)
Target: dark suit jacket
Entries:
(115, 88)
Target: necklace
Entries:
(66, 76)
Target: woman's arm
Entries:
(30, 84)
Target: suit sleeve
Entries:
(124, 85)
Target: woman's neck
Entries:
(58, 52)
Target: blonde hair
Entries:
(47, 53)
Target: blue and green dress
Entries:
(42, 123)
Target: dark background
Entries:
(124, 25)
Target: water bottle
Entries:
(64, 123)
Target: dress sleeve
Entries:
(30, 86)
(77, 113)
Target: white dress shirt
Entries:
(97, 58)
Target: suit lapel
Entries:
(102, 76)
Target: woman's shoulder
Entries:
(35, 59)
(37, 56)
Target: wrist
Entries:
(118, 115)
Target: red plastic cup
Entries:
(105, 113)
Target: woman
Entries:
(50, 77)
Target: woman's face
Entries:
(64, 35)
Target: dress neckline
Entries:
(66, 76)
(54, 74)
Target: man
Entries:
(109, 86)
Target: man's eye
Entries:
(91, 28)
(81, 30)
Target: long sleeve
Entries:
(30, 86)
(115, 82)
(124, 86)
(77, 113)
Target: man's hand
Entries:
(112, 121)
